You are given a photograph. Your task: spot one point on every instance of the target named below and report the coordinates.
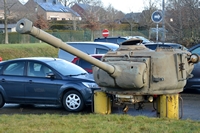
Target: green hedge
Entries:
(10, 51)
(67, 36)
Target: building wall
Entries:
(58, 16)
(48, 15)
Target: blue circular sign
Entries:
(157, 16)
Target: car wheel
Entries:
(2, 102)
(73, 101)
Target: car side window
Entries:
(120, 40)
(1, 68)
(15, 68)
(196, 50)
(101, 51)
(152, 47)
(84, 64)
(37, 70)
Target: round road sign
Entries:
(156, 16)
(105, 33)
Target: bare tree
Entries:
(92, 15)
(7, 11)
(92, 4)
(41, 22)
(91, 22)
(112, 17)
(132, 19)
(186, 20)
(145, 18)
(72, 2)
(68, 2)
(5, 21)
(13, 11)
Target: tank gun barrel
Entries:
(25, 26)
(132, 69)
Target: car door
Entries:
(12, 80)
(39, 87)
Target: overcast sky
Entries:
(125, 6)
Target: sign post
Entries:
(157, 18)
(105, 33)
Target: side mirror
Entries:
(51, 75)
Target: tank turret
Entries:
(132, 69)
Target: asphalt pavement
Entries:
(190, 104)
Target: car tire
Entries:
(73, 101)
(2, 102)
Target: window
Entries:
(84, 64)
(120, 40)
(196, 50)
(37, 70)
(152, 47)
(101, 51)
(1, 68)
(16, 68)
(53, 18)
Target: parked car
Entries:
(144, 40)
(88, 67)
(89, 48)
(116, 40)
(84, 64)
(193, 84)
(43, 80)
(120, 40)
(155, 45)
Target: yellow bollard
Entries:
(169, 106)
(158, 106)
(102, 103)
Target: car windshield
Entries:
(153, 47)
(116, 40)
(175, 46)
(66, 68)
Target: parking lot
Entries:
(191, 109)
(190, 106)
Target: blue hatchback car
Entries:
(193, 84)
(45, 80)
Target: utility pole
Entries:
(163, 21)
(5, 22)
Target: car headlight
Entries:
(90, 85)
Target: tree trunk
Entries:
(5, 22)
(92, 35)
(74, 24)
